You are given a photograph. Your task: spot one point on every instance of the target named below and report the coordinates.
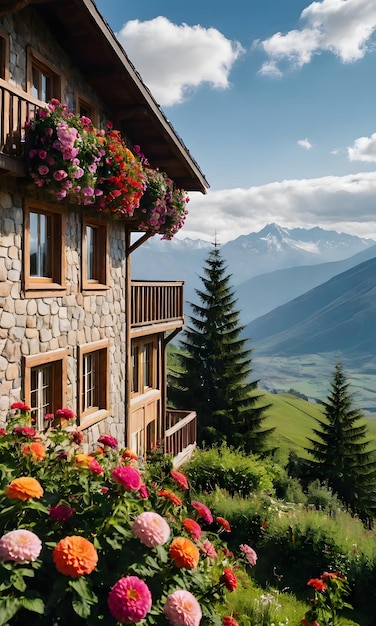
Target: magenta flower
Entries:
(128, 477)
(60, 175)
(250, 554)
(144, 492)
(182, 609)
(108, 441)
(43, 170)
(151, 529)
(129, 600)
(202, 511)
(61, 512)
(24, 431)
(95, 467)
(20, 546)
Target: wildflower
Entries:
(151, 529)
(169, 495)
(36, 450)
(182, 609)
(224, 523)
(129, 600)
(179, 479)
(317, 584)
(61, 512)
(75, 556)
(24, 431)
(229, 579)
(95, 467)
(24, 488)
(229, 621)
(192, 528)
(107, 440)
(128, 477)
(249, 552)
(208, 549)
(20, 546)
(184, 553)
(202, 511)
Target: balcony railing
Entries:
(181, 434)
(156, 303)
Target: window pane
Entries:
(39, 248)
(89, 380)
(147, 365)
(41, 394)
(36, 81)
(90, 252)
(135, 366)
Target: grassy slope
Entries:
(293, 419)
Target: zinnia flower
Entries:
(192, 528)
(224, 523)
(170, 495)
(128, 477)
(208, 549)
(317, 584)
(151, 529)
(24, 488)
(229, 579)
(95, 467)
(107, 440)
(250, 554)
(36, 450)
(182, 609)
(65, 413)
(83, 460)
(184, 553)
(229, 621)
(20, 546)
(61, 512)
(144, 492)
(24, 431)
(203, 511)
(75, 556)
(129, 600)
(180, 479)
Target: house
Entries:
(75, 331)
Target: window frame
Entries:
(101, 252)
(91, 110)
(92, 415)
(36, 60)
(56, 359)
(140, 345)
(35, 286)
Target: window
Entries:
(44, 247)
(144, 359)
(93, 379)
(94, 254)
(44, 81)
(45, 384)
(86, 109)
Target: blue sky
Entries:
(274, 99)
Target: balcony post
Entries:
(128, 322)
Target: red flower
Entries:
(107, 440)
(61, 512)
(329, 575)
(169, 495)
(229, 579)
(20, 405)
(229, 621)
(77, 437)
(65, 413)
(24, 431)
(202, 511)
(180, 479)
(192, 528)
(223, 522)
(317, 584)
(95, 467)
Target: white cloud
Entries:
(342, 27)
(364, 149)
(304, 143)
(173, 60)
(344, 203)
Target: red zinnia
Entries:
(229, 579)
(223, 522)
(180, 479)
(192, 528)
(202, 511)
(317, 584)
(229, 621)
(169, 495)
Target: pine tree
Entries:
(215, 367)
(341, 452)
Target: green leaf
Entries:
(36, 605)
(8, 608)
(83, 589)
(81, 607)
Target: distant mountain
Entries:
(338, 316)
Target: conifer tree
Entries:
(341, 451)
(215, 367)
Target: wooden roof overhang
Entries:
(91, 44)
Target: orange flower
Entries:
(75, 556)
(169, 495)
(24, 488)
(36, 450)
(184, 553)
(83, 460)
(129, 455)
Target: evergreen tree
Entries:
(215, 367)
(341, 453)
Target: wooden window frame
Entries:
(141, 344)
(53, 358)
(94, 414)
(34, 59)
(101, 260)
(92, 109)
(36, 286)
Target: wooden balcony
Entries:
(180, 435)
(156, 304)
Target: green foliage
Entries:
(213, 376)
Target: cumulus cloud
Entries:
(364, 149)
(342, 27)
(304, 143)
(345, 203)
(173, 60)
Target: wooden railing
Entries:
(16, 107)
(180, 436)
(156, 302)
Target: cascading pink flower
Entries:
(182, 609)
(20, 546)
(129, 600)
(128, 477)
(151, 529)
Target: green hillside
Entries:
(293, 419)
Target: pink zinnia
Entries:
(180, 479)
(250, 554)
(128, 477)
(95, 467)
(151, 529)
(182, 609)
(208, 549)
(20, 546)
(24, 431)
(61, 512)
(129, 600)
(107, 440)
(192, 528)
(203, 511)
(144, 492)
